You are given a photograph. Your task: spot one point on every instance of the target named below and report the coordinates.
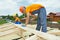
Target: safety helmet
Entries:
(22, 9)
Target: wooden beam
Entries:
(56, 32)
(8, 32)
(38, 33)
(35, 37)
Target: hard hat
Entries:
(22, 8)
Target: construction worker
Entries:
(17, 19)
(33, 9)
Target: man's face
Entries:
(24, 10)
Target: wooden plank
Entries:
(8, 32)
(7, 28)
(38, 33)
(32, 38)
(35, 37)
(57, 33)
(3, 26)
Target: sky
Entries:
(10, 7)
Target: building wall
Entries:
(53, 17)
(56, 18)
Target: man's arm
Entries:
(33, 17)
(27, 19)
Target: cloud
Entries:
(51, 5)
(7, 4)
(12, 6)
(7, 7)
(46, 2)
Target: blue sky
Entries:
(12, 6)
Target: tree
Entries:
(16, 14)
(22, 16)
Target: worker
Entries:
(17, 19)
(33, 9)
